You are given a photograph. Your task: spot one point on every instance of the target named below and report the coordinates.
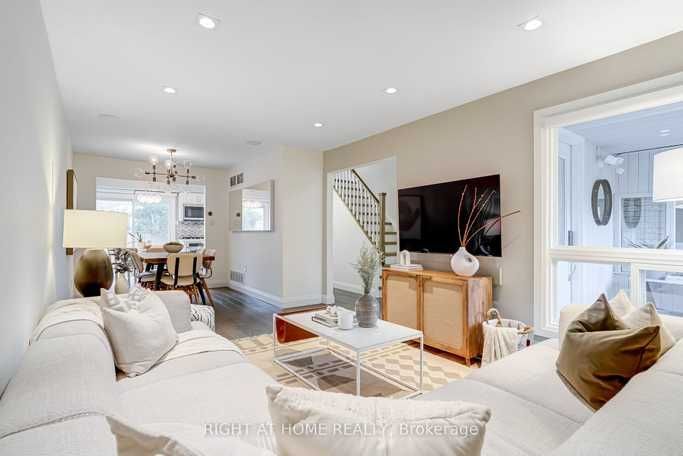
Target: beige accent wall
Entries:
(495, 135)
(36, 152)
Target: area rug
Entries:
(331, 373)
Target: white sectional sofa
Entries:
(67, 382)
(55, 404)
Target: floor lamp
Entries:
(94, 231)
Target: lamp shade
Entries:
(95, 229)
(667, 176)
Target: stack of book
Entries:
(406, 267)
(326, 319)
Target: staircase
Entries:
(369, 212)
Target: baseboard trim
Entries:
(278, 301)
(262, 295)
(350, 287)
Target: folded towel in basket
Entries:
(499, 341)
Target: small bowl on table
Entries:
(173, 247)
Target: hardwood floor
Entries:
(239, 315)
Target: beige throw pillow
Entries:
(600, 353)
(171, 439)
(314, 423)
(648, 316)
(621, 304)
(139, 335)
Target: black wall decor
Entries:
(601, 202)
(428, 216)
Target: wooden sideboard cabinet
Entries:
(447, 308)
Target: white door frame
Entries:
(547, 252)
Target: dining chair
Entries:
(146, 279)
(183, 274)
(207, 271)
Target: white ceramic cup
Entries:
(346, 320)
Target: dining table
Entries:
(157, 259)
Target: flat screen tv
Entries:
(428, 216)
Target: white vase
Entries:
(463, 263)
(122, 286)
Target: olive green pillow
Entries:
(600, 353)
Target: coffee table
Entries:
(356, 340)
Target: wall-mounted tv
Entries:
(428, 216)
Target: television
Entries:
(428, 216)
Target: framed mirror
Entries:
(601, 202)
(251, 208)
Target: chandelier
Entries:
(169, 171)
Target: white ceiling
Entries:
(272, 68)
(636, 130)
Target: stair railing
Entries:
(368, 209)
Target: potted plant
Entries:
(367, 266)
(138, 241)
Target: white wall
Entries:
(348, 238)
(36, 154)
(89, 167)
(283, 266)
(259, 254)
(495, 135)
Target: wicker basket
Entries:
(524, 331)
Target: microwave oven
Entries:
(193, 213)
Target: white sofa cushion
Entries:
(531, 375)
(230, 394)
(644, 418)
(173, 439)
(59, 378)
(82, 436)
(140, 335)
(517, 426)
(342, 425)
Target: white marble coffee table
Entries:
(357, 340)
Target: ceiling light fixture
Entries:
(666, 130)
(391, 90)
(318, 125)
(169, 172)
(207, 22)
(532, 24)
(664, 134)
(254, 142)
(169, 90)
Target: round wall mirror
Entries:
(601, 202)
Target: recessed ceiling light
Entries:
(169, 90)
(664, 134)
(390, 90)
(531, 25)
(106, 116)
(318, 124)
(666, 130)
(207, 22)
(254, 142)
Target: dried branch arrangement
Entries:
(473, 225)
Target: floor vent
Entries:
(237, 276)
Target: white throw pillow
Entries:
(175, 439)
(648, 316)
(316, 423)
(139, 335)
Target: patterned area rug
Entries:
(333, 373)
